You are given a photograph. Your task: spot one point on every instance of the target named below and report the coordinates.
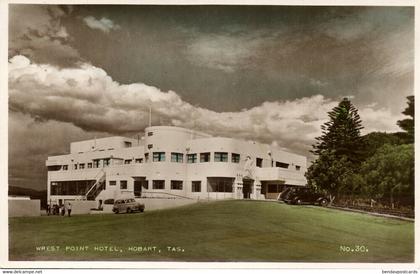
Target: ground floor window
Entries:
(196, 186)
(176, 185)
(220, 184)
(275, 188)
(123, 184)
(158, 184)
(112, 183)
(71, 187)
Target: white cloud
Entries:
(104, 24)
(88, 98)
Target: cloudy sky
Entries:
(264, 73)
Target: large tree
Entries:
(341, 134)
(340, 150)
(389, 173)
(408, 124)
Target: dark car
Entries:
(303, 195)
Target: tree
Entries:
(408, 124)
(341, 134)
(375, 140)
(328, 174)
(389, 173)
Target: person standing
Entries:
(69, 209)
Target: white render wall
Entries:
(174, 139)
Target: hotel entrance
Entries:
(247, 188)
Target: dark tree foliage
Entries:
(341, 134)
(408, 124)
(375, 140)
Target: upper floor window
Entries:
(127, 162)
(81, 166)
(75, 166)
(259, 162)
(205, 157)
(235, 158)
(158, 184)
(139, 160)
(158, 156)
(96, 163)
(89, 165)
(150, 133)
(146, 157)
(150, 146)
(65, 167)
(220, 157)
(106, 162)
(297, 168)
(192, 158)
(127, 144)
(282, 165)
(176, 185)
(177, 157)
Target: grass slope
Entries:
(218, 231)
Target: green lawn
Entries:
(218, 231)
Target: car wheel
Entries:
(323, 202)
(142, 210)
(128, 210)
(116, 211)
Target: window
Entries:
(282, 165)
(127, 144)
(176, 185)
(158, 184)
(297, 168)
(177, 157)
(127, 162)
(89, 165)
(146, 157)
(145, 184)
(96, 163)
(139, 160)
(65, 167)
(235, 158)
(196, 186)
(150, 146)
(75, 166)
(123, 184)
(220, 157)
(71, 187)
(158, 156)
(192, 158)
(205, 157)
(259, 162)
(106, 162)
(112, 183)
(150, 133)
(81, 166)
(220, 184)
(275, 188)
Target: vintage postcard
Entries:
(144, 135)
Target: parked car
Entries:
(127, 205)
(303, 195)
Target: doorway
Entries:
(137, 188)
(247, 188)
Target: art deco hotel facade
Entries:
(172, 162)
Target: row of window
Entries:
(160, 184)
(179, 158)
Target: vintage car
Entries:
(127, 205)
(303, 195)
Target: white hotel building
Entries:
(172, 162)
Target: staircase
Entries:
(97, 187)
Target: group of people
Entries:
(59, 209)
